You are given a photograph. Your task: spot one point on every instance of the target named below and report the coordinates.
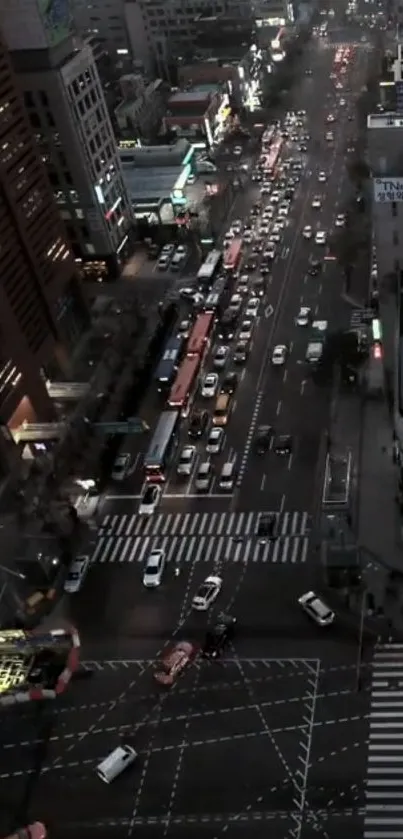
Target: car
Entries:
(283, 444)
(229, 235)
(251, 265)
(275, 197)
(315, 268)
(154, 568)
(307, 232)
(279, 355)
(252, 307)
(150, 499)
(76, 574)
(267, 526)
(241, 352)
(304, 316)
(187, 292)
(322, 177)
(243, 284)
(36, 830)
(215, 440)
(265, 270)
(186, 460)
(268, 214)
(184, 328)
(263, 439)
(329, 136)
(219, 636)
(220, 356)
(229, 383)
(235, 303)
(247, 237)
(198, 424)
(237, 226)
(302, 148)
(330, 118)
(259, 287)
(316, 608)
(227, 326)
(209, 386)
(207, 593)
(340, 220)
(270, 251)
(342, 102)
(245, 332)
(320, 237)
(173, 662)
(121, 467)
(238, 151)
(316, 202)
(275, 237)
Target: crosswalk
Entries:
(203, 524)
(384, 787)
(217, 550)
(216, 538)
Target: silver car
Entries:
(316, 608)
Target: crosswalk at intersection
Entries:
(384, 786)
(216, 538)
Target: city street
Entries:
(272, 738)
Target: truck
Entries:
(317, 338)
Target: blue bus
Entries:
(162, 447)
(169, 363)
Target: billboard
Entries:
(57, 20)
(388, 190)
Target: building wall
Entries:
(105, 20)
(69, 115)
(36, 264)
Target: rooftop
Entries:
(189, 97)
(151, 185)
(28, 660)
(388, 120)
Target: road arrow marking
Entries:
(268, 311)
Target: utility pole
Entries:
(360, 642)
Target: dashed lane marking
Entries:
(249, 438)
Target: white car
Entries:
(248, 237)
(235, 303)
(184, 328)
(245, 332)
(220, 357)
(237, 226)
(121, 467)
(209, 386)
(316, 608)
(279, 225)
(268, 214)
(275, 197)
(275, 236)
(340, 220)
(316, 203)
(270, 251)
(320, 237)
(322, 177)
(149, 500)
(304, 316)
(283, 211)
(229, 235)
(77, 572)
(252, 307)
(238, 151)
(154, 568)
(215, 440)
(243, 284)
(207, 593)
(186, 460)
(307, 232)
(279, 355)
(264, 230)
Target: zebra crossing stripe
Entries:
(202, 524)
(384, 786)
(204, 549)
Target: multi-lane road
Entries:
(272, 739)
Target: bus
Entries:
(198, 340)
(232, 256)
(183, 387)
(268, 136)
(169, 362)
(210, 266)
(162, 447)
(274, 154)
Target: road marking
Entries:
(278, 407)
(249, 438)
(268, 311)
(262, 483)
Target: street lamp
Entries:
(360, 641)
(12, 573)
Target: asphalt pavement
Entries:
(272, 739)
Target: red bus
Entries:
(199, 336)
(232, 255)
(183, 386)
(268, 137)
(274, 154)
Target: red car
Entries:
(174, 661)
(37, 830)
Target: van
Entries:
(204, 476)
(221, 409)
(212, 302)
(116, 763)
(227, 477)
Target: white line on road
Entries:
(290, 462)
(278, 407)
(282, 505)
(285, 375)
(302, 388)
(263, 481)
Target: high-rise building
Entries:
(42, 311)
(67, 109)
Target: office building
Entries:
(160, 31)
(68, 112)
(105, 21)
(42, 311)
